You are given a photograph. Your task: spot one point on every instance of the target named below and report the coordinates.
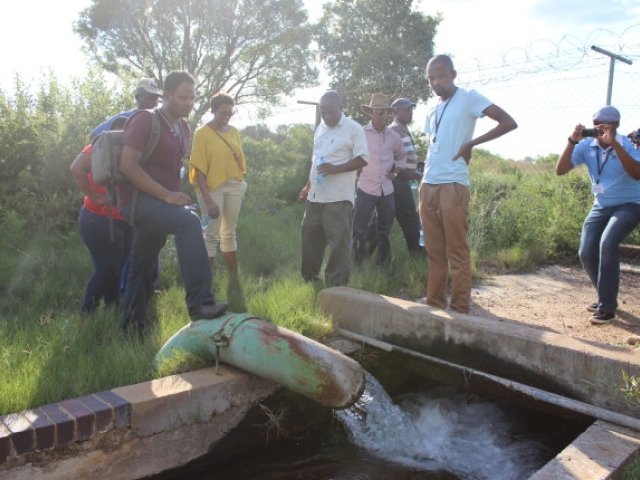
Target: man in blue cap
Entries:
(614, 168)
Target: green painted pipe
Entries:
(275, 353)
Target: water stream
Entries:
(439, 430)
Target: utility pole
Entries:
(612, 58)
(317, 105)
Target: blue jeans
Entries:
(364, 207)
(108, 254)
(602, 232)
(154, 221)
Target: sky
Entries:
(39, 38)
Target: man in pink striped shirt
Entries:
(387, 157)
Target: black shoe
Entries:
(207, 311)
(602, 318)
(592, 307)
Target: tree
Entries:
(373, 46)
(40, 134)
(255, 50)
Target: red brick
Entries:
(65, 424)
(22, 435)
(103, 413)
(85, 420)
(121, 408)
(44, 428)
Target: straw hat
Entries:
(378, 101)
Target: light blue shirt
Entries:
(449, 125)
(611, 184)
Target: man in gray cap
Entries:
(147, 95)
(614, 168)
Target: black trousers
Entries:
(406, 215)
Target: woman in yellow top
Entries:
(217, 167)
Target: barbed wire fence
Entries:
(549, 87)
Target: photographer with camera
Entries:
(614, 168)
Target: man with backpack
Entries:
(154, 203)
(146, 95)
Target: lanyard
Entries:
(438, 120)
(599, 167)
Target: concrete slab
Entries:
(585, 371)
(170, 402)
(594, 455)
(174, 420)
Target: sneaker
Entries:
(207, 311)
(593, 307)
(602, 318)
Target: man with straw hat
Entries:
(374, 191)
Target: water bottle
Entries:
(205, 221)
(319, 177)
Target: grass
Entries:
(49, 352)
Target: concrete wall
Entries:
(585, 371)
(148, 428)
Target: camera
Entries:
(592, 132)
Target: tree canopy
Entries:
(255, 50)
(371, 46)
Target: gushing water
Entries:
(439, 430)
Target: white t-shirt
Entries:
(338, 144)
(449, 125)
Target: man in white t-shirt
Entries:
(444, 192)
(339, 150)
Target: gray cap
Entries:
(148, 85)
(403, 103)
(607, 114)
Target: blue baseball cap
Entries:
(403, 103)
(607, 114)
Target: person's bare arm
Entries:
(505, 124)
(630, 165)
(304, 192)
(80, 167)
(564, 165)
(131, 168)
(331, 169)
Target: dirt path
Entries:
(555, 298)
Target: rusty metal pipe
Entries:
(275, 353)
